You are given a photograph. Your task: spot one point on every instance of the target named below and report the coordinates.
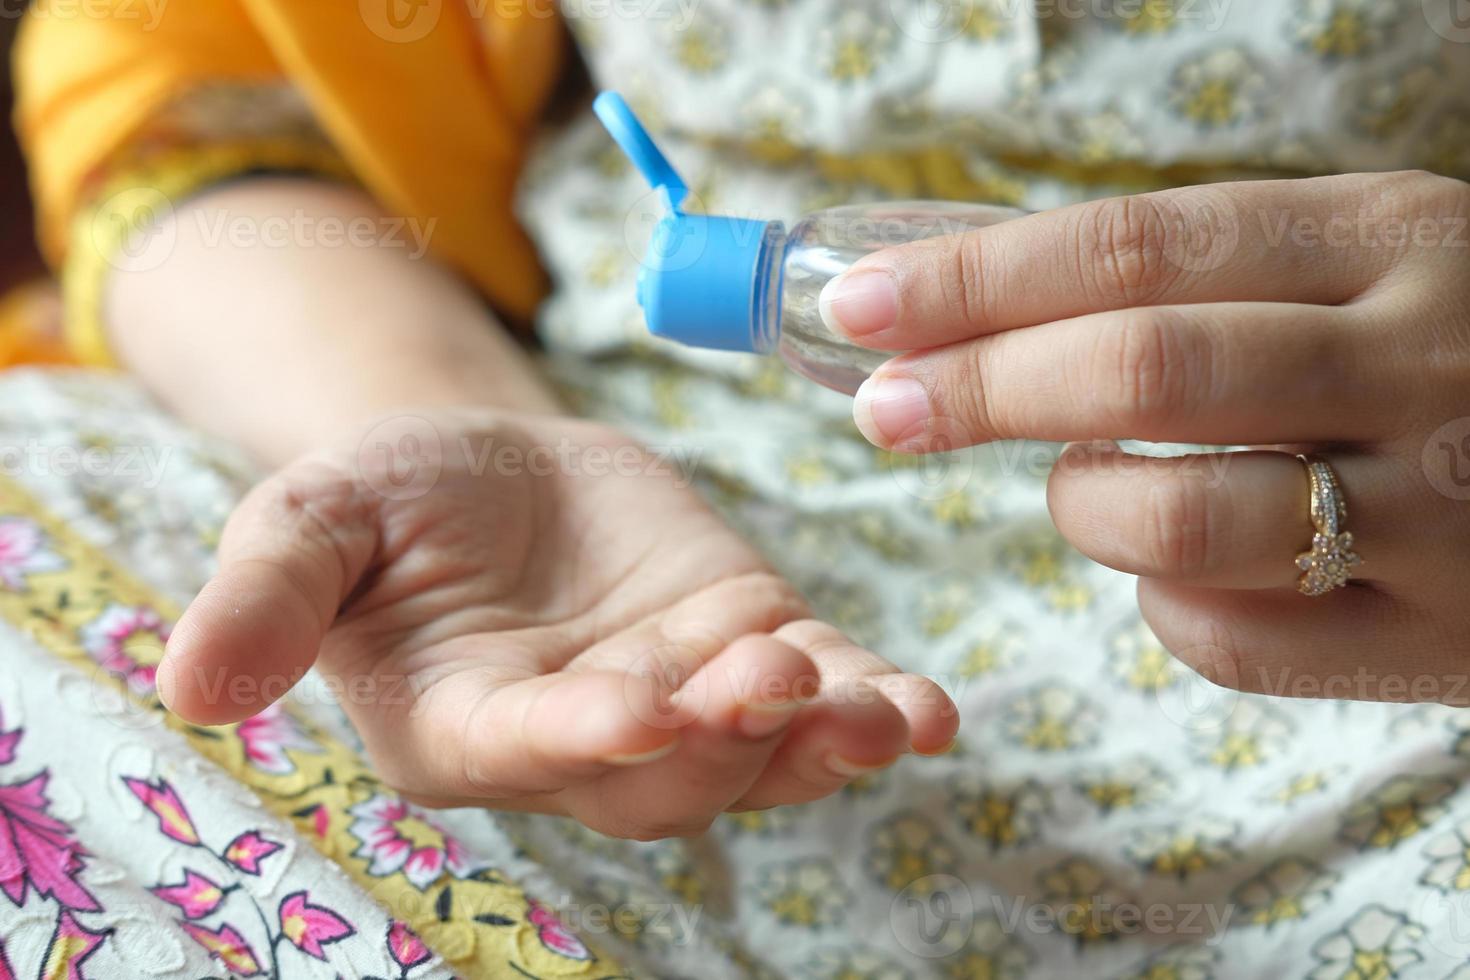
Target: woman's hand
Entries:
(1328, 315)
(532, 613)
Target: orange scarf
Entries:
(430, 105)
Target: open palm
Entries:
(540, 617)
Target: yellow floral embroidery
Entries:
(1052, 718)
(905, 851)
(1397, 810)
(806, 893)
(1249, 735)
(1140, 661)
(1304, 784)
(1084, 901)
(1343, 28)
(1184, 961)
(676, 872)
(1002, 818)
(980, 20)
(1287, 889)
(997, 646)
(856, 42)
(1148, 17)
(991, 954)
(1129, 785)
(1375, 944)
(1182, 850)
(1218, 89)
(1449, 854)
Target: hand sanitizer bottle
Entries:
(735, 284)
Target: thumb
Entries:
(290, 554)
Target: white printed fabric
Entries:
(1106, 814)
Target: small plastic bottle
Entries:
(728, 283)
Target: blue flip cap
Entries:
(706, 279)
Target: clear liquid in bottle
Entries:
(826, 244)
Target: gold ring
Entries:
(1331, 561)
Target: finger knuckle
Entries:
(965, 288)
(977, 415)
(1408, 194)
(1123, 250)
(1155, 361)
(1180, 529)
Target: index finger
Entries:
(1210, 244)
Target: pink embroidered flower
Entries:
(226, 945)
(268, 735)
(196, 896)
(7, 972)
(309, 927)
(23, 552)
(71, 944)
(555, 936)
(36, 849)
(407, 949)
(173, 816)
(397, 836)
(127, 640)
(248, 850)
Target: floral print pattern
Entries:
(41, 863)
(399, 837)
(310, 927)
(267, 737)
(23, 552)
(196, 896)
(237, 894)
(129, 642)
(37, 851)
(1088, 762)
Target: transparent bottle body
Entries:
(825, 244)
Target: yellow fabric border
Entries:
(480, 925)
(138, 195)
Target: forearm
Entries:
(280, 341)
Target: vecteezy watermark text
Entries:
(147, 14)
(402, 458)
(936, 915)
(304, 230)
(142, 465)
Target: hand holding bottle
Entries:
(1330, 314)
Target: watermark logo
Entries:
(1446, 459)
(1450, 19)
(134, 230)
(1202, 233)
(401, 21)
(401, 458)
(1206, 696)
(934, 916)
(663, 688)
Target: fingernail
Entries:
(762, 720)
(944, 749)
(859, 302)
(889, 411)
(163, 684)
(851, 770)
(641, 758)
